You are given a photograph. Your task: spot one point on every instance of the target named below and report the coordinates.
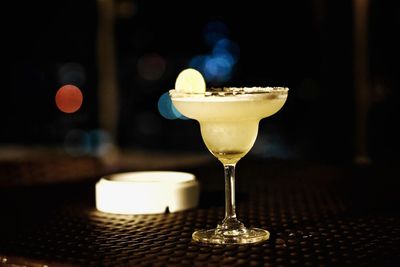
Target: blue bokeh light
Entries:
(167, 109)
(217, 69)
(218, 65)
(198, 63)
(225, 55)
(227, 46)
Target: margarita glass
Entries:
(229, 119)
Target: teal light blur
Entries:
(167, 109)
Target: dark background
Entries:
(305, 45)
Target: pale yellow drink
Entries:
(229, 118)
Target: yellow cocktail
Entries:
(229, 119)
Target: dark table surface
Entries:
(317, 214)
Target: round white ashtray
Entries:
(147, 192)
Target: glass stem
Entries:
(230, 209)
(230, 226)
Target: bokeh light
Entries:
(218, 69)
(198, 62)
(167, 109)
(96, 142)
(101, 142)
(228, 47)
(69, 98)
(151, 67)
(217, 66)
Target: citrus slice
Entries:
(190, 81)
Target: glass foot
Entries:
(244, 236)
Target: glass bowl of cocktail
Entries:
(229, 119)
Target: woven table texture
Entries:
(318, 215)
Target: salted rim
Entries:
(232, 91)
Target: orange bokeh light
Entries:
(69, 98)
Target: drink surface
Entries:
(229, 117)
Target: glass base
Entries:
(244, 236)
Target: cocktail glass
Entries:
(229, 119)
